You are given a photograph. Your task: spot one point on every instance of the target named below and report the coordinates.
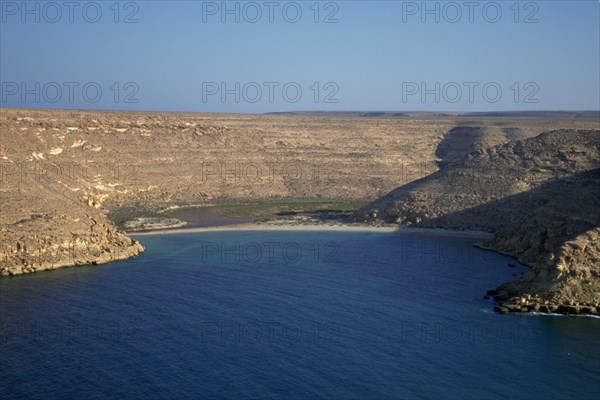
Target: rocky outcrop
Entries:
(568, 282)
(538, 196)
(30, 246)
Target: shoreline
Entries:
(508, 306)
(314, 228)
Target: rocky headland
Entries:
(539, 196)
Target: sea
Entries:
(289, 315)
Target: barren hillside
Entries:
(67, 176)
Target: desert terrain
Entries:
(73, 182)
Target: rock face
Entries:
(538, 196)
(50, 241)
(67, 246)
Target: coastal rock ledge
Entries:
(69, 244)
(567, 283)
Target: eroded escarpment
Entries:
(538, 196)
(69, 178)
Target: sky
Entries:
(270, 56)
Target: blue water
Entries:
(290, 315)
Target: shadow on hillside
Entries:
(554, 212)
(458, 142)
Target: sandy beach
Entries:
(318, 227)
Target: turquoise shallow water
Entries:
(294, 315)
